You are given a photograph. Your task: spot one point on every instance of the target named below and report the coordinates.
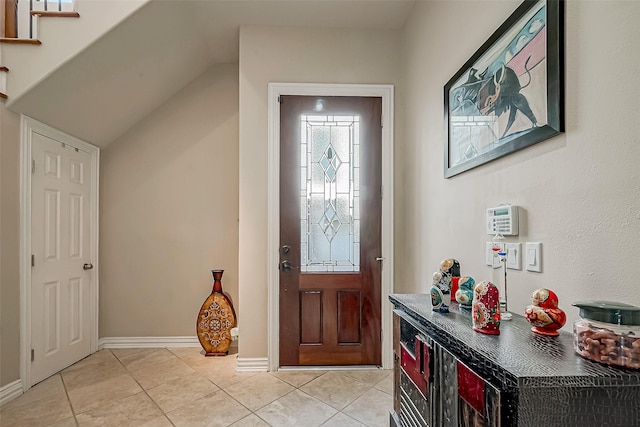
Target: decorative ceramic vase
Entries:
(544, 314)
(215, 320)
(464, 294)
(485, 309)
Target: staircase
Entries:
(17, 16)
(41, 35)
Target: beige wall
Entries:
(288, 55)
(169, 211)
(9, 243)
(580, 191)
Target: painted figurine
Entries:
(544, 314)
(442, 279)
(485, 309)
(464, 294)
(437, 300)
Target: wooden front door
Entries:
(330, 230)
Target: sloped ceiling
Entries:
(140, 64)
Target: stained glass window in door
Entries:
(329, 193)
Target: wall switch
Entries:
(514, 256)
(533, 256)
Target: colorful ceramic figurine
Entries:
(442, 279)
(437, 300)
(485, 309)
(464, 294)
(544, 314)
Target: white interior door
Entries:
(61, 273)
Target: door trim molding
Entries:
(273, 197)
(28, 126)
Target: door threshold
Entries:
(330, 368)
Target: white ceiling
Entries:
(162, 47)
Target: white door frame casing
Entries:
(273, 256)
(28, 127)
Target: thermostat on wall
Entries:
(503, 220)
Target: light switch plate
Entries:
(533, 256)
(514, 256)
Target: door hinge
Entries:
(381, 121)
(279, 99)
(382, 191)
(33, 355)
(33, 166)
(33, 260)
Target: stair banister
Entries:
(21, 16)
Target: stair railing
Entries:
(21, 16)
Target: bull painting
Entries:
(500, 96)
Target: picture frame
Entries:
(510, 94)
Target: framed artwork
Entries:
(510, 93)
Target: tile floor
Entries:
(180, 387)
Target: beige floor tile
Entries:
(161, 421)
(197, 360)
(171, 369)
(386, 384)
(91, 396)
(68, 422)
(218, 409)
(223, 375)
(372, 408)
(145, 359)
(251, 420)
(91, 373)
(47, 388)
(180, 391)
(342, 420)
(258, 390)
(133, 410)
(188, 354)
(296, 409)
(335, 389)
(42, 412)
(123, 352)
(97, 358)
(369, 377)
(297, 378)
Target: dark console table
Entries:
(448, 375)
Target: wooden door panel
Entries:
(330, 317)
(310, 317)
(349, 324)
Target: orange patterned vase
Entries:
(215, 320)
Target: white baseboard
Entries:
(151, 342)
(252, 364)
(147, 342)
(10, 391)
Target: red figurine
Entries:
(544, 314)
(485, 309)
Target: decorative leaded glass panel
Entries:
(329, 193)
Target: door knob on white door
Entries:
(87, 266)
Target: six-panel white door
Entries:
(60, 239)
